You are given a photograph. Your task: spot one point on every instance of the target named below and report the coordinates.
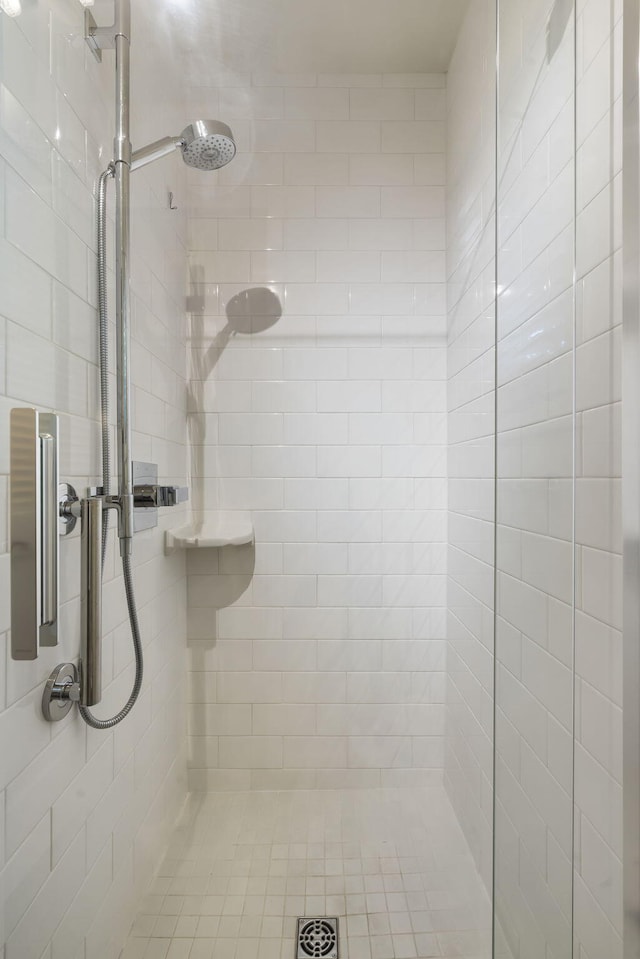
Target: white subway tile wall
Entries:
(318, 658)
(340, 387)
(534, 552)
(471, 402)
(85, 814)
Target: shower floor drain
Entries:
(317, 937)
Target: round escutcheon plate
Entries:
(54, 707)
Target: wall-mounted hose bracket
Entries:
(98, 38)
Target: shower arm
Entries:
(154, 151)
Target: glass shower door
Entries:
(598, 849)
(535, 424)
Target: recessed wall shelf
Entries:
(226, 528)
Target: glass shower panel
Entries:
(598, 507)
(471, 142)
(534, 711)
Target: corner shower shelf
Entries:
(226, 528)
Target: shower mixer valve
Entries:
(147, 496)
(152, 496)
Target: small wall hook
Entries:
(171, 204)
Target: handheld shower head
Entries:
(204, 144)
(207, 145)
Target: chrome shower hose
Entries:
(86, 713)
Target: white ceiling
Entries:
(318, 36)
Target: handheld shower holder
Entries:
(104, 38)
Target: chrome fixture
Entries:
(91, 602)
(61, 692)
(204, 144)
(34, 532)
(317, 938)
(144, 474)
(155, 496)
(117, 37)
(66, 685)
(38, 513)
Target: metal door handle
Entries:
(34, 532)
(49, 527)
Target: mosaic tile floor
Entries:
(392, 864)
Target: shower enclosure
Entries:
(390, 707)
(558, 656)
(539, 467)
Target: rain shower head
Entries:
(204, 144)
(207, 145)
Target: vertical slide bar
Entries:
(91, 603)
(122, 163)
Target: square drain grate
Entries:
(317, 938)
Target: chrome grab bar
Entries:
(66, 684)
